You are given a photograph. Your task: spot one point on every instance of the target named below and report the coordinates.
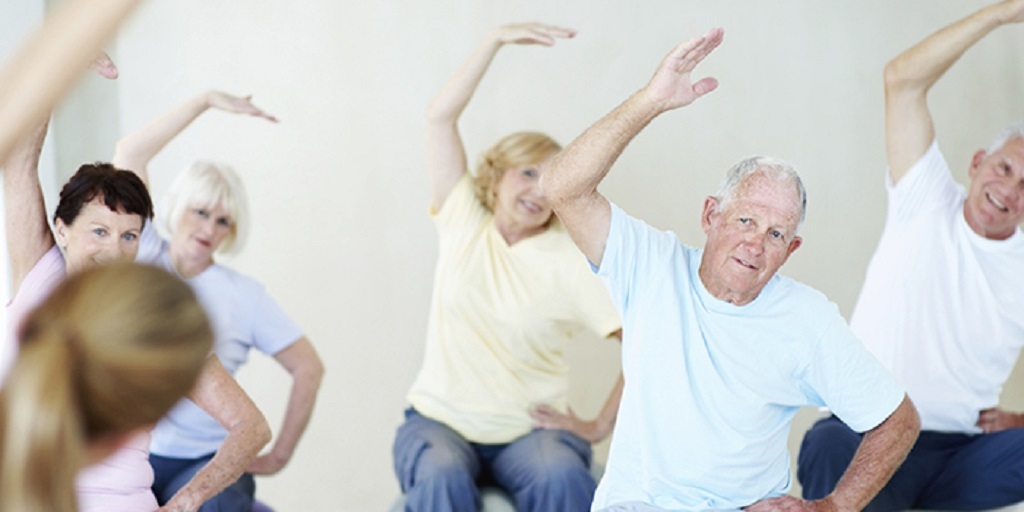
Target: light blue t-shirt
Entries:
(244, 317)
(711, 388)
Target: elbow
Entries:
(897, 77)
(554, 192)
(262, 433)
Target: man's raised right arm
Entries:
(570, 184)
(909, 130)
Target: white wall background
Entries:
(338, 189)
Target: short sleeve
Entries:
(927, 187)
(272, 329)
(633, 252)
(846, 378)
(460, 206)
(593, 303)
(150, 244)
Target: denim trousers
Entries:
(545, 470)
(171, 474)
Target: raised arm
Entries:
(46, 66)
(446, 156)
(909, 129)
(218, 394)
(28, 232)
(594, 430)
(570, 184)
(134, 151)
(302, 362)
(880, 453)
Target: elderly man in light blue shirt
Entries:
(719, 351)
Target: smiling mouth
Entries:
(531, 206)
(745, 264)
(995, 202)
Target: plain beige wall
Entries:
(338, 189)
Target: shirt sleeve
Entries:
(927, 187)
(634, 252)
(272, 329)
(846, 378)
(150, 244)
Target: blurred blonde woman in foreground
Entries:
(104, 356)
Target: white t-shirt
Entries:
(711, 387)
(942, 307)
(244, 316)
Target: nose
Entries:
(754, 243)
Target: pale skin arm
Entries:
(570, 184)
(909, 129)
(593, 431)
(46, 66)
(217, 393)
(302, 362)
(446, 155)
(28, 233)
(880, 453)
(134, 152)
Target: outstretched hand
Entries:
(236, 104)
(546, 417)
(103, 66)
(532, 33)
(672, 87)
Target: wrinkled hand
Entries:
(103, 66)
(548, 418)
(791, 504)
(237, 105)
(532, 33)
(266, 465)
(997, 420)
(671, 87)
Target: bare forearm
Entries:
(240, 447)
(581, 166)
(918, 68)
(297, 415)
(448, 105)
(880, 453)
(606, 418)
(47, 64)
(135, 151)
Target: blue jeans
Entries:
(171, 474)
(942, 471)
(545, 470)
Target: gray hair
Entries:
(1014, 131)
(772, 167)
(206, 184)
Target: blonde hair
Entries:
(110, 351)
(205, 185)
(516, 150)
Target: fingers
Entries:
(534, 33)
(688, 54)
(104, 66)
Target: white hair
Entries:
(206, 185)
(771, 167)
(1014, 131)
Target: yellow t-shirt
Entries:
(500, 318)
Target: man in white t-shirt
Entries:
(719, 351)
(943, 301)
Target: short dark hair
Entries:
(122, 191)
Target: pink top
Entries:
(38, 283)
(121, 482)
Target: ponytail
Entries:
(43, 437)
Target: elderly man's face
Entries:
(749, 238)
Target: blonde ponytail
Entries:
(110, 351)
